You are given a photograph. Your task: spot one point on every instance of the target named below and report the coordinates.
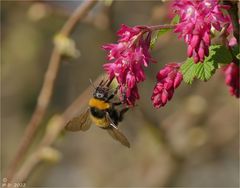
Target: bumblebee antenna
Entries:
(105, 82)
(101, 83)
(110, 81)
(92, 84)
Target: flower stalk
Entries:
(159, 27)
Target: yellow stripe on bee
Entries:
(101, 105)
(100, 122)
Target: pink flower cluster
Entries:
(127, 59)
(232, 78)
(196, 19)
(168, 79)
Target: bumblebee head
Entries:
(102, 90)
(101, 93)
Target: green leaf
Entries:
(176, 19)
(219, 54)
(202, 71)
(188, 69)
(205, 70)
(236, 52)
(238, 56)
(157, 35)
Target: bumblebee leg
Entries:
(110, 97)
(117, 103)
(122, 112)
(113, 94)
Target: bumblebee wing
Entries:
(111, 121)
(82, 122)
(119, 136)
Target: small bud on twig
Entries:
(66, 46)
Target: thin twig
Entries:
(47, 88)
(57, 124)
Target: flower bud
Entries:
(232, 78)
(168, 79)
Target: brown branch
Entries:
(75, 108)
(47, 88)
(55, 126)
(26, 168)
(233, 12)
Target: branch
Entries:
(47, 88)
(233, 12)
(55, 126)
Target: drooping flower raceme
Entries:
(127, 59)
(168, 79)
(232, 78)
(197, 17)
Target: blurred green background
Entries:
(192, 141)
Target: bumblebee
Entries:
(102, 112)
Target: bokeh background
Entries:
(192, 142)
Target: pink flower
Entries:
(196, 19)
(232, 78)
(127, 59)
(232, 41)
(168, 79)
